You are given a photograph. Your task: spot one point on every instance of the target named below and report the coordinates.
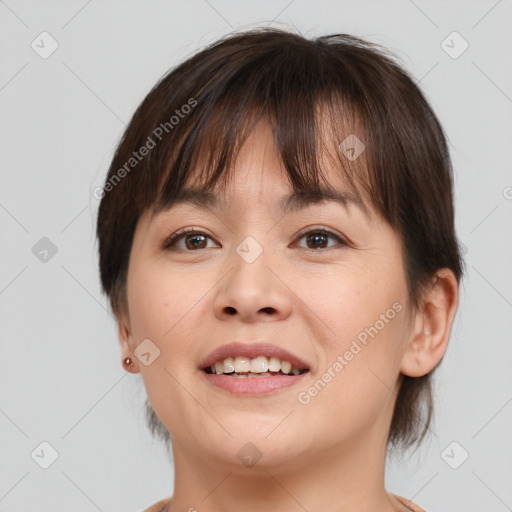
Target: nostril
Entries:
(230, 310)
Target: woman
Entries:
(276, 239)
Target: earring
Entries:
(128, 362)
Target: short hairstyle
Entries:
(314, 93)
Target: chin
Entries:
(253, 448)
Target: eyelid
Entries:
(177, 235)
(307, 229)
(322, 229)
(174, 237)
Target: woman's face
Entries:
(256, 274)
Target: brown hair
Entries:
(313, 92)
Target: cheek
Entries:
(362, 320)
(348, 301)
(358, 382)
(164, 308)
(162, 302)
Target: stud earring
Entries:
(128, 362)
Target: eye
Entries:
(192, 238)
(318, 238)
(315, 239)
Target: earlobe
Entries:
(128, 361)
(432, 326)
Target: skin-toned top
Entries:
(409, 506)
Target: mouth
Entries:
(259, 366)
(253, 369)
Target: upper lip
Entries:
(252, 350)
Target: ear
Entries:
(432, 325)
(126, 341)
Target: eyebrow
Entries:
(292, 203)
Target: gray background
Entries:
(61, 379)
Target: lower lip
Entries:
(252, 385)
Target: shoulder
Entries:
(157, 507)
(409, 504)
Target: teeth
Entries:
(274, 364)
(219, 367)
(242, 364)
(258, 365)
(229, 365)
(286, 367)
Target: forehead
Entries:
(292, 202)
(258, 169)
(258, 158)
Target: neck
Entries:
(348, 478)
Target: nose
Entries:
(253, 291)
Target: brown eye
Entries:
(319, 239)
(192, 239)
(195, 241)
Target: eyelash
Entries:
(175, 237)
